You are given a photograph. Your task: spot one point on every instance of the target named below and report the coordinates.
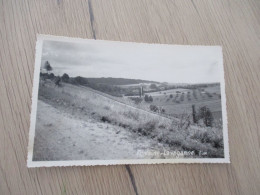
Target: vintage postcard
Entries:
(101, 102)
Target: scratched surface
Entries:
(233, 24)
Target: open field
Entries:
(84, 104)
(179, 101)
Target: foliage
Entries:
(154, 108)
(57, 81)
(206, 115)
(80, 80)
(153, 86)
(137, 100)
(51, 76)
(47, 66)
(173, 133)
(148, 98)
(65, 78)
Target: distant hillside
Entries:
(117, 81)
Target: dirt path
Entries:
(59, 136)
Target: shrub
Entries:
(150, 125)
(218, 142)
(105, 119)
(137, 100)
(171, 96)
(154, 108)
(147, 128)
(209, 135)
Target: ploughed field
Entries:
(125, 117)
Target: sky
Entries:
(154, 62)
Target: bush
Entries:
(105, 119)
(211, 136)
(150, 125)
(147, 128)
(154, 108)
(137, 100)
(171, 96)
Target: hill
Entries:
(117, 81)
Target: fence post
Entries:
(194, 114)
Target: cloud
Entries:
(163, 63)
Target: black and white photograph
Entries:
(101, 102)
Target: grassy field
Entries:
(177, 102)
(83, 102)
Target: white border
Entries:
(30, 163)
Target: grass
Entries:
(185, 98)
(86, 103)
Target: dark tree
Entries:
(150, 98)
(146, 98)
(81, 81)
(153, 86)
(47, 66)
(57, 81)
(65, 78)
(51, 76)
(206, 115)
